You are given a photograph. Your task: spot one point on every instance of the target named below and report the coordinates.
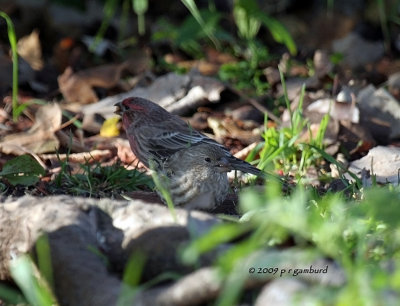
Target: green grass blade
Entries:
(164, 191)
(13, 42)
(278, 32)
(110, 8)
(44, 259)
(34, 288)
(12, 296)
(140, 7)
(192, 7)
(335, 162)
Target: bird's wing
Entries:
(162, 144)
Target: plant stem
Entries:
(13, 42)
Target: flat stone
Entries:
(380, 104)
(385, 162)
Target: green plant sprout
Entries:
(13, 42)
(98, 181)
(109, 9)
(32, 284)
(159, 182)
(192, 7)
(140, 8)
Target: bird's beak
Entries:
(120, 108)
(224, 165)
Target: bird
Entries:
(196, 177)
(193, 167)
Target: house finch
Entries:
(193, 166)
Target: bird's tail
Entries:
(241, 165)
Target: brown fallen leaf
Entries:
(30, 50)
(78, 87)
(40, 137)
(237, 129)
(75, 88)
(105, 76)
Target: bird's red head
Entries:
(132, 110)
(135, 104)
(135, 109)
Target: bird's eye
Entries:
(207, 159)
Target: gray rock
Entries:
(282, 292)
(385, 162)
(380, 104)
(358, 51)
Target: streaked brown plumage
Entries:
(197, 177)
(192, 164)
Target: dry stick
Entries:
(242, 154)
(257, 105)
(38, 159)
(78, 157)
(69, 122)
(33, 154)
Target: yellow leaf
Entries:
(110, 127)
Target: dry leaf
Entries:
(30, 50)
(105, 76)
(40, 137)
(75, 88)
(78, 87)
(226, 127)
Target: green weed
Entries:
(359, 235)
(283, 147)
(98, 181)
(13, 42)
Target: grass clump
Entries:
(95, 180)
(359, 236)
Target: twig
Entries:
(69, 122)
